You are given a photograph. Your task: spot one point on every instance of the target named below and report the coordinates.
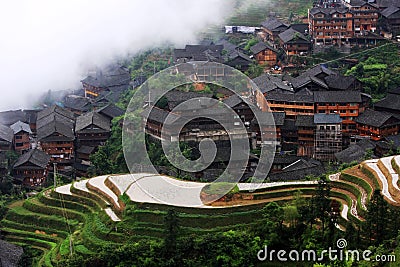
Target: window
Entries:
(18, 137)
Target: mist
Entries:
(47, 44)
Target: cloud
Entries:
(48, 44)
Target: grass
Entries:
(92, 229)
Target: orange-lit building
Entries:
(342, 22)
(377, 124)
(330, 25)
(292, 104)
(348, 104)
(264, 54)
(365, 15)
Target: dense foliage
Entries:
(304, 223)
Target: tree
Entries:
(171, 232)
(254, 70)
(376, 220)
(321, 202)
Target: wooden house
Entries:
(55, 113)
(365, 15)
(57, 140)
(377, 124)
(391, 20)
(110, 111)
(347, 104)
(114, 78)
(238, 60)
(264, 54)
(272, 27)
(22, 134)
(92, 129)
(294, 43)
(292, 104)
(32, 168)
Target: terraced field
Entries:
(112, 209)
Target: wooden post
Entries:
(55, 175)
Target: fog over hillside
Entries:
(50, 44)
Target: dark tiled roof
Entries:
(6, 133)
(290, 35)
(340, 82)
(305, 121)
(50, 131)
(387, 3)
(199, 53)
(391, 101)
(238, 55)
(274, 24)
(300, 27)
(76, 102)
(301, 164)
(158, 115)
(261, 46)
(227, 46)
(337, 97)
(292, 97)
(233, 101)
(31, 116)
(391, 12)
(304, 80)
(110, 111)
(92, 118)
(176, 97)
(55, 117)
(327, 119)
(328, 11)
(394, 91)
(374, 118)
(20, 126)
(316, 74)
(11, 117)
(86, 149)
(267, 82)
(318, 70)
(394, 138)
(55, 109)
(35, 157)
(285, 159)
(355, 152)
(357, 2)
(114, 76)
